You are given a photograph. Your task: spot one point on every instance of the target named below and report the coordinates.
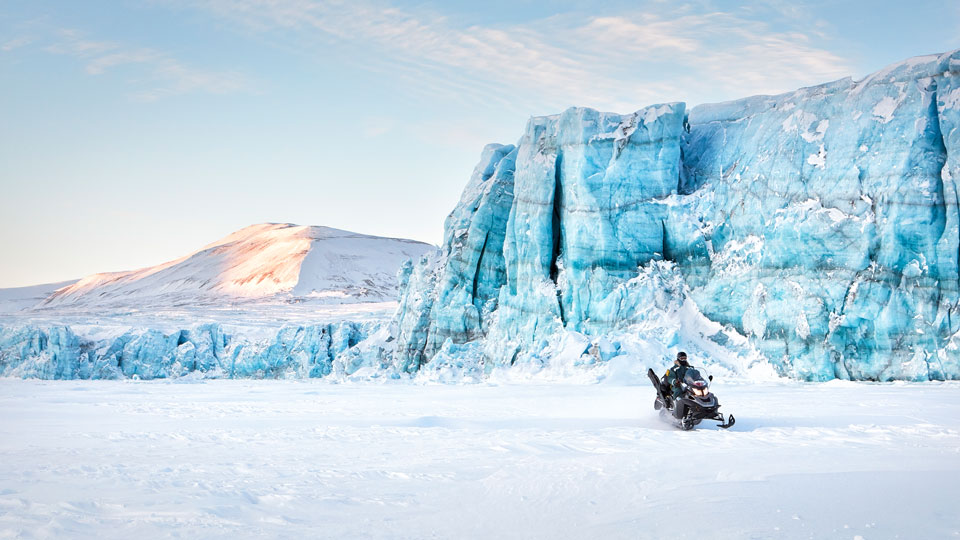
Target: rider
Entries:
(673, 376)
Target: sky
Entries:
(135, 132)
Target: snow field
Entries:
(310, 459)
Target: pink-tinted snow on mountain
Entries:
(265, 262)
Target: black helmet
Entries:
(682, 358)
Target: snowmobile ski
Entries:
(729, 423)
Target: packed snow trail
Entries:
(309, 459)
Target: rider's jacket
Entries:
(673, 377)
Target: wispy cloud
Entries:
(15, 43)
(612, 61)
(157, 74)
(956, 19)
(376, 126)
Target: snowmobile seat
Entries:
(665, 389)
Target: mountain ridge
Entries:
(261, 262)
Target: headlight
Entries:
(702, 392)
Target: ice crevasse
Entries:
(822, 224)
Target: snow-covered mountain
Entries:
(18, 298)
(268, 262)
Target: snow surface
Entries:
(282, 459)
(247, 318)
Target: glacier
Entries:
(813, 234)
(202, 351)
(820, 224)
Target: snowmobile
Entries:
(695, 404)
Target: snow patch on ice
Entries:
(652, 114)
(952, 99)
(818, 160)
(883, 111)
(818, 133)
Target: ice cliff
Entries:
(822, 224)
(208, 350)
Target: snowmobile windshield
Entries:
(696, 377)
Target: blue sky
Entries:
(134, 132)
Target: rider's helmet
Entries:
(682, 359)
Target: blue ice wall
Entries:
(833, 222)
(456, 290)
(585, 217)
(821, 223)
(57, 352)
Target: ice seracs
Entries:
(821, 223)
